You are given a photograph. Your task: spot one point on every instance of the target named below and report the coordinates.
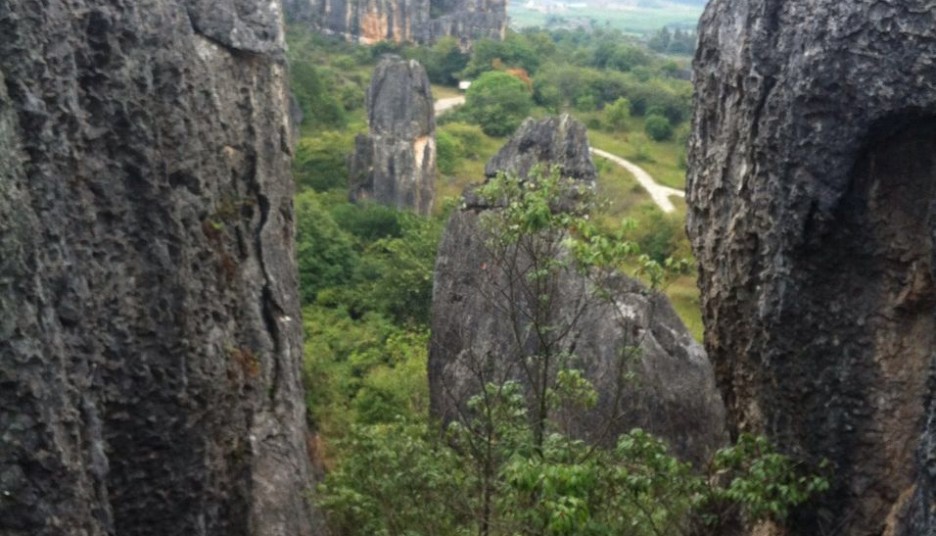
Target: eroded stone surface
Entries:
(473, 338)
(811, 189)
(421, 21)
(395, 164)
(149, 325)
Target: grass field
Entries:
(631, 19)
(662, 160)
(626, 199)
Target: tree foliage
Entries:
(658, 127)
(498, 102)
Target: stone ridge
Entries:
(673, 394)
(150, 338)
(395, 163)
(811, 192)
(421, 21)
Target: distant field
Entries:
(633, 20)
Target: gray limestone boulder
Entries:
(812, 194)
(477, 337)
(150, 340)
(395, 164)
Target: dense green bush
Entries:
(324, 252)
(467, 138)
(398, 271)
(321, 106)
(449, 151)
(444, 61)
(368, 221)
(362, 369)
(617, 114)
(321, 160)
(658, 127)
(498, 102)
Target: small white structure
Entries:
(464, 85)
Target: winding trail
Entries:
(659, 193)
(444, 105)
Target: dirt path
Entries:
(659, 193)
(444, 105)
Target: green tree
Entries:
(498, 102)
(658, 127)
(443, 61)
(321, 160)
(449, 151)
(617, 114)
(321, 106)
(325, 253)
(627, 57)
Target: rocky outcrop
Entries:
(395, 164)
(811, 192)
(466, 20)
(423, 21)
(475, 330)
(149, 326)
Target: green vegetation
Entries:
(366, 277)
(658, 127)
(508, 465)
(498, 102)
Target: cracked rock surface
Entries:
(149, 326)
(812, 195)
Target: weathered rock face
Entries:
(422, 21)
(149, 330)
(467, 20)
(673, 394)
(396, 163)
(811, 189)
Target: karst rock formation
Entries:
(149, 326)
(395, 164)
(673, 393)
(812, 193)
(421, 21)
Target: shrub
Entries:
(321, 106)
(367, 221)
(325, 254)
(618, 113)
(449, 151)
(468, 137)
(658, 128)
(321, 161)
(498, 102)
